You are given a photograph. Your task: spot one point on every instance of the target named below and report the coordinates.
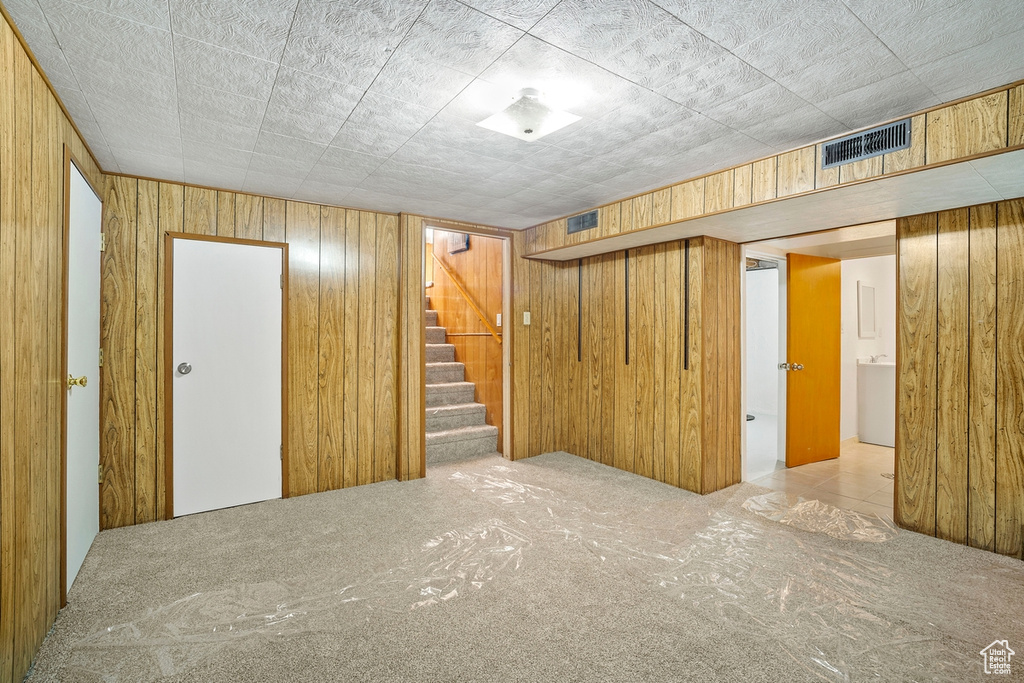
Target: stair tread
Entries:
(455, 409)
(450, 385)
(462, 433)
(447, 363)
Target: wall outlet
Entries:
(498, 318)
(526, 317)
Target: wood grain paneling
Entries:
(33, 135)
(652, 416)
(952, 383)
(662, 206)
(917, 240)
(796, 171)
(912, 156)
(1010, 379)
(967, 128)
(412, 357)
(960, 373)
(479, 272)
(983, 125)
(981, 510)
(1015, 134)
(343, 333)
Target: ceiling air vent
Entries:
(867, 144)
(581, 222)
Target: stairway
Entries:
(456, 425)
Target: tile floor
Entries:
(853, 480)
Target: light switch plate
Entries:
(526, 317)
(498, 317)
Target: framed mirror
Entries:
(866, 311)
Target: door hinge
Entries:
(99, 474)
(101, 358)
(281, 453)
(103, 241)
(282, 281)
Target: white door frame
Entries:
(168, 359)
(69, 159)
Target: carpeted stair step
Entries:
(427, 297)
(440, 353)
(451, 393)
(466, 442)
(445, 418)
(435, 335)
(445, 373)
(432, 318)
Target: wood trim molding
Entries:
(168, 359)
(468, 228)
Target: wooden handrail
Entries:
(469, 300)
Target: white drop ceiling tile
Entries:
(320, 96)
(77, 104)
(452, 132)
(28, 16)
(301, 124)
(206, 131)
(737, 22)
(957, 75)
(147, 164)
(418, 152)
(362, 198)
(258, 28)
(713, 82)
(934, 35)
(1005, 173)
(322, 193)
(214, 175)
(209, 156)
(271, 185)
(220, 105)
(301, 151)
(349, 175)
(105, 158)
(522, 14)
(837, 74)
(283, 168)
(595, 29)
(878, 14)
(425, 84)
(348, 42)
(56, 67)
(337, 157)
(554, 159)
(149, 12)
(118, 87)
(755, 106)
(375, 140)
(215, 67)
(160, 145)
(795, 128)
(139, 120)
(824, 32)
(86, 35)
(458, 37)
(662, 55)
(895, 96)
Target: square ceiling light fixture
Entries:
(528, 118)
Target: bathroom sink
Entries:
(876, 402)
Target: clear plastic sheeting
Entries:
(179, 636)
(768, 567)
(839, 614)
(818, 517)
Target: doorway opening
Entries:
(820, 370)
(467, 355)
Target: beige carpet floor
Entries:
(549, 569)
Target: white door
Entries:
(85, 214)
(226, 374)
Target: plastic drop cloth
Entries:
(771, 567)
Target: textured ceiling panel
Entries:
(374, 103)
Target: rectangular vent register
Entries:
(581, 222)
(866, 144)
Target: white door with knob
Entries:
(82, 506)
(225, 373)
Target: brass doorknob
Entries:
(77, 381)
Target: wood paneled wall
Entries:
(479, 271)
(412, 376)
(988, 123)
(342, 336)
(960, 376)
(33, 134)
(671, 413)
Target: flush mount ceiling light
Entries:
(528, 118)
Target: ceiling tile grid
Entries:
(374, 103)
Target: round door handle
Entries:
(77, 381)
(798, 366)
(184, 368)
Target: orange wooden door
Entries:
(813, 347)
